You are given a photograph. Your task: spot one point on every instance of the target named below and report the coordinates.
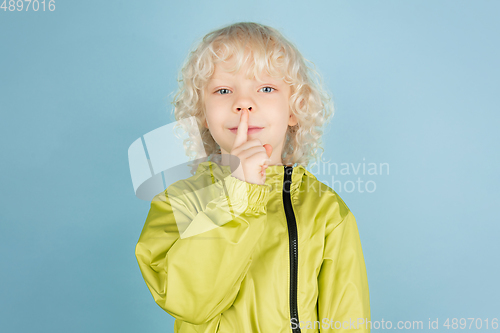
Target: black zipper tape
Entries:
(293, 250)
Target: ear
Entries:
(292, 120)
(206, 124)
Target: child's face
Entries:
(226, 94)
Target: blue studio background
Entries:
(415, 86)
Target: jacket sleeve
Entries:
(193, 257)
(343, 300)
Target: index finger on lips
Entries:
(242, 133)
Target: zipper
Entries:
(293, 250)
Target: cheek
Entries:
(213, 119)
(209, 112)
(213, 110)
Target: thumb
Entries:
(269, 149)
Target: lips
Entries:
(249, 127)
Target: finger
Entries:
(264, 167)
(244, 154)
(247, 145)
(269, 149)
(242, 133)
(259, 158)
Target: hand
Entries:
(253, 155)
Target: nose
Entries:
(248, 108)
(243, 98)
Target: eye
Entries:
(223, 91)
(268, 88)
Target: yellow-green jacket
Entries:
(223, 255)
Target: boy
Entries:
(263, 246)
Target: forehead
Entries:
(229, 69)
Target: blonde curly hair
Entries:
(266, 48)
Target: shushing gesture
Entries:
(253, 155)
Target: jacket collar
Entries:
(275, 174)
